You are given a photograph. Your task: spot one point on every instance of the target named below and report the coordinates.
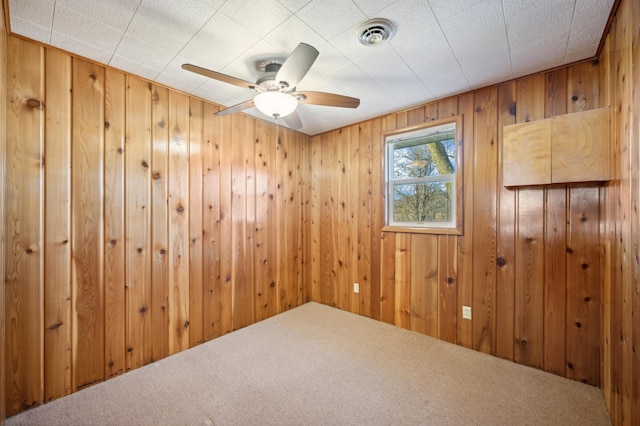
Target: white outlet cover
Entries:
(466, 312)
(356, 288)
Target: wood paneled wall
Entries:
(620, 82)
(137, 223)
(529, 260)
(3, 134)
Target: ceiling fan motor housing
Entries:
(267, 81)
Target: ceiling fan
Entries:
(277, 96)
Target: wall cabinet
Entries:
(563, 149)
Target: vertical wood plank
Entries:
(354, 258)
(284, 199)
(447, 257)
(327, 230)
(23, 225)
(343, 237)
(447, 288)
(555, 280)
(403, 280)
(424, 284)
(529, 245)
(3, 156)
(265, 241)
(226, 223)
(388, 277)
(367, 298)
(555, 219)
(57, 237)
(484, 232)
(87, 176)
(634, 220)
(114, 223)
(377, 214)
(211, 201)
(465, 241)
(505, 273)
(196, 234)
(315, 218)
(159, 311)
(583, 304)
(138, 223)
(242, 293)
(582, 89)
(179, 208)
(618, 343)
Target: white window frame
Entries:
(404, 136)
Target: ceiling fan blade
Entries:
(218, 76)
(236, 108)
(293, 120)
(297, 65)
(327, 99)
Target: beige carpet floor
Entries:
(319, 365)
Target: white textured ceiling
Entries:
(442, 47)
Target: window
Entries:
(423, 178)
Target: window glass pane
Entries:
(423, 202)
(424, 157)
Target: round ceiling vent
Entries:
(376, 31)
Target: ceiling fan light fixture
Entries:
(275, 104)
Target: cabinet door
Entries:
(526, 153)
(580, 147)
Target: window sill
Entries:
(434, 231)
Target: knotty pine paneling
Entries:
(57, 235)
(532, 301)
(620, 309)
(3, 123)
(137, 224)
(24, 287)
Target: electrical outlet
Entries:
(356, 288)
(466, 312)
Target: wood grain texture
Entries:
(196, 234)
(402, 282)
(138, 156)
(506, 250)
(241, 271)
(87, 227)
(363, 255)
(146, 244)
(526, 153)
(212, 282)
(465, 241)
(23, 225)
(424, 285)
(159, 310)
(555, 220)
(529, 241)
(447, 288)
(581, 142)
(315, 200)
(179, 208)
(114, 223)
(484, 231)
(583, 292)
(634, 153)
(57, 237)
(226, 224)
(3, 153)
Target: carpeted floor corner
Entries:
(316, 365)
